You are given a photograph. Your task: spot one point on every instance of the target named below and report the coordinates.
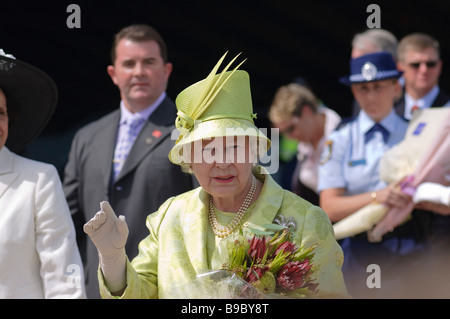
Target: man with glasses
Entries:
(419, 59)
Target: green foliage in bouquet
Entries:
(272, 263)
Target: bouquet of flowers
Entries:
(272, 263)
(255, 265)
(421, 157)
(433, 163)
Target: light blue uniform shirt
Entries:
(351, 163)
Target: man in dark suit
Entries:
(100, 168)
(419, 59)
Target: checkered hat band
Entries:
(381, 75)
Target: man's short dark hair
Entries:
(139, 33)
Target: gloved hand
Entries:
(432, 192)
(109, 234)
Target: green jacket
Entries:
(175, 251)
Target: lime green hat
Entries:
(218, 106)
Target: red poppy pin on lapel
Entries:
(156, 133)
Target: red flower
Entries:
(287, 247)
(294, 274)
(274, 265)
(257, 249)
(255, 273)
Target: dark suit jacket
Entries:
(399, 106)
(430, 223)
(441, 99)
(147, 179)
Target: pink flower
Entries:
(255, 273)
(257, 249)
(294, 274)
(273, 265)
(287, 247)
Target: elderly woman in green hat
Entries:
(220, 145)
(38, 251)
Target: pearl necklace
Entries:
(224, 231)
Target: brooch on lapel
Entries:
(288, 223)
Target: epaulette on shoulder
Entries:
(345, 121)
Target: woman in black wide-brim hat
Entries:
(40, 258)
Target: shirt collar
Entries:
(366, 121)
(425, 101)
(145, 113)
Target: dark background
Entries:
(280, 39)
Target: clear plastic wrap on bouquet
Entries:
(217, 284)
(266, 265)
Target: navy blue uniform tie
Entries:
(376, 128)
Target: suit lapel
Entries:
(7, 176)
(440, 100)
(399, 106)
(155, 130)
(269, 203)
(149, 137)
(105, 143)
(195, 230)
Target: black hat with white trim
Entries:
(31, 97)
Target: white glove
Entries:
(109, 234)
(432, 192)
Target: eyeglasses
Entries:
(429, 64)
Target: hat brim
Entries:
(217, 128)
(35, 95)
(346, 80)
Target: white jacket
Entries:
(39, 257)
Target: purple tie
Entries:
(125, 143)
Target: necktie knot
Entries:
(134, 122)
(376, 128)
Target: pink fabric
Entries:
(432, 167)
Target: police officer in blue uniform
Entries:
(349, 178)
